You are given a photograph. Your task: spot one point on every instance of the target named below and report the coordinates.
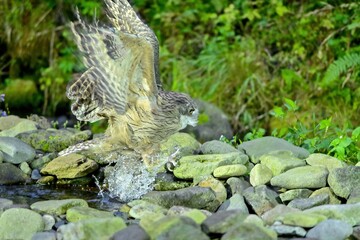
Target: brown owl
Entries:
(122, 84)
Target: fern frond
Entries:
(340, 66)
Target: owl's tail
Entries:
(80, 147)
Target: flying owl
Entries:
(122, 83)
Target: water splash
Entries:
(129, 179)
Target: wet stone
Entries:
(75, 214)
(9, 174)
(57, 207)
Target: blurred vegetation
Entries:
(246, 57)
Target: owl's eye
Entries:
(191, 110)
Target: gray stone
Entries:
(76, 214)
(145, 208)
(330, 230)
(320, 159)
(261, 198)
(213, 123)
(24, 166)
(4, 204)
(295, 193)
(184, 143)
(249, 231)
(217, 147)
(35, 174)
(237, 185)
(270, 216)
(20, 223)
(301, 177)
(228, 171)
(174, 228)
(193, 197)
(91, 229)
(70, 166)
(16, 151)
(132, 232)
(202, 165)
(221, 221)
(345, 212)
(354, 196)
(9, 121)
(306, 203)
(52, 140)
(258, 147)
(40, 162)
(281, 161)
(49, 221)
(260, 175)
(344, 180)
(44, 236)
(236, 202)
(57, 207)
(23, 126)
(287, 230)
(356, 232)
(9, 174)
(328, 191)
(1, 157)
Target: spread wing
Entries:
(120, 68)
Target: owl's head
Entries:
(189, 111)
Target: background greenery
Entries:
(287, 68)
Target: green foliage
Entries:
(322, 136)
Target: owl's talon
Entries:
(170, 166)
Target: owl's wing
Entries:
(120, 67)
(124, 19)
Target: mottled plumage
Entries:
(122, 83)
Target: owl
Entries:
(122, 84)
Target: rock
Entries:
(9, 174)
(286, 230)
(221, 221)
(260, 175)
(143, 208)
(132, 232)
(301, 177)
(16, 151)
(237, 185)
(24, 166)
(20, 223)
(327, 190)
(348, 213)
(330, 230)
(254, 219)
(52, 140)
(76, 214)
(249, 231)
(228, 171)
(260, 198)
(301, 219)
(46, 180)
(70, 166)
(57, 206)
(175, 228)
(306, 203)
(236, 202)
(40, 162)
(198, 216)
(354, 196)
(217, 147)
(294, 194)
(281, 161)
(91, 229)
(356, 233)
(213, 123)
(4, 204)
(202, 165)
(344, 180)
(167, 181)
(193, 197)
(23, 126)
(44, 236)
(35, 174)
(183, 142)
(258, 147)
(10, 121)
(216, 186)
(81, 181)
(49, 221)
(279, 210)
(1, 157)
(320, 159)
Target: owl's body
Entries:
(122, 83)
